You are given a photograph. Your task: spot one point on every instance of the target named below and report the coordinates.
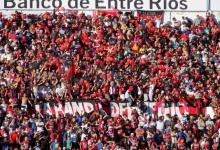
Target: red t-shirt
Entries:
(195, 146)
(53, 136)
(13, 137)
(163, 147)
(84, 145)
(26, 144)
(215, 146)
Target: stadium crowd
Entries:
(58, 57)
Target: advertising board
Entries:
(126, 5)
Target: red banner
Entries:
(151, 15)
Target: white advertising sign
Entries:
(148, 5)
(215, 5)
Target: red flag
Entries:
(52, 108)
(70, 73)
(157, 105)
(186, 108)
(193, 111)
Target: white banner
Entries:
(147, 5)
(116, 109)
(87, 107)
(215, 5)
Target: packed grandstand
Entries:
(55, 58)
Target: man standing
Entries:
(112, 91)
(128, 95)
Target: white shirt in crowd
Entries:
(60, 90)
(40, 126)
(160, 125)
(6, 56)
(209, 123)
(112, 90)
(139, 91)
(3, 106)
(151, 90)
(127, 94)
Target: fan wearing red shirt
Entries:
(91, 144)
(13, 139)
(55, 135)
(215, 146)
(195, 145)
(217, 125)
(61, 125)
(163, 146)
(206, 145)
(50, 125)
(133, 141)
(167, 137)
(112, 145)
(181, 144)
(84, 144)
(25, 144)
(151, 145)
